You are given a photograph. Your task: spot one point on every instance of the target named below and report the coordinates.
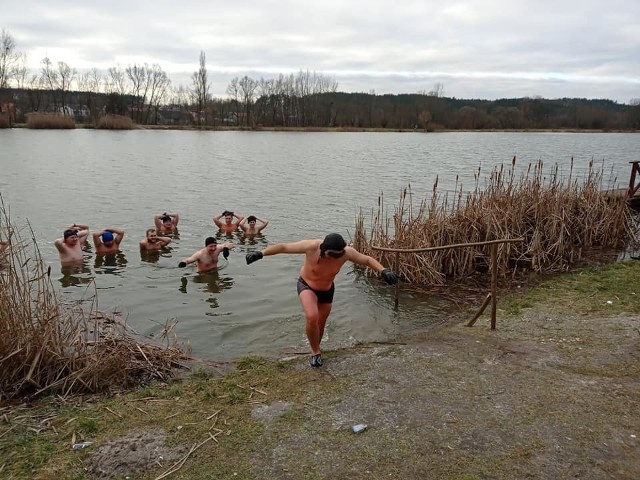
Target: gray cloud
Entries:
(477, 49)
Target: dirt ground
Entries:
(541, 397)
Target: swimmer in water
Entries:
(249, 226)
(166, 222)
(323, 260)
(69, 246)
(108, 240)
(228, 226)
(153, 242)
(206, 258)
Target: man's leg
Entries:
(310, 306)
(324, 309)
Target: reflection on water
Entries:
(208, 282)
(110, 263)
(152, 256)
(76, 274)
(252, 239)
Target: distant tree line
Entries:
(303, 100)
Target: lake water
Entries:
(305, 184)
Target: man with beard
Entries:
(69, 246)
(153, 242)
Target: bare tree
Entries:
(8, 58)
(116, 81)
(159, 84)
(233, 90)
(21, 71)
(201, 89)
(66, 75)
(248, 88)
(137, 75)
(49, 77)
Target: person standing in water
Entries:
(70, 245)
(206, 258)
(250, 227)
(108, 240)
(228, 226)
(322, 262)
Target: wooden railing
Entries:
(492, 296)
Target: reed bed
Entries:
(48, 346)
(115, 122)
(560, 219)
(50, 120)
(4, 120)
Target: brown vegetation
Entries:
(4, 120)
(48, 346)
(50, 120)
(559, 221)
(115, 122)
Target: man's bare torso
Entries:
(319, 272)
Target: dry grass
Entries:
(560, 220)
(115, 122)
(50, 120)
(48, 346)
(4, 120)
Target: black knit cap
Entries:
(333, 241)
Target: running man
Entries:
(166, 222)
(108, 240)
(249, 227)
(229, 226)
(153, 242)
(69, 246)
(207, 258)
(323, 260)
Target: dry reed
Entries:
(48, 346)
(560, 220)
(4, 120)
(50, 120)
(115, 122)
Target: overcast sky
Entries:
(484, 49)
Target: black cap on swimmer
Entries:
(334, 242)
(209, 241)
(70, 233)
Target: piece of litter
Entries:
(609, 302)
(632, 436)
(81, 445)
(359, 428)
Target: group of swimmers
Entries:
(108, 240)
(323, 260)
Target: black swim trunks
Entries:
(324, 296)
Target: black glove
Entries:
(253, 256)
(389, 277)
(182, 264)
(225, 252)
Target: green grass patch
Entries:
(610, 290)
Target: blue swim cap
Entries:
(107, 236)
